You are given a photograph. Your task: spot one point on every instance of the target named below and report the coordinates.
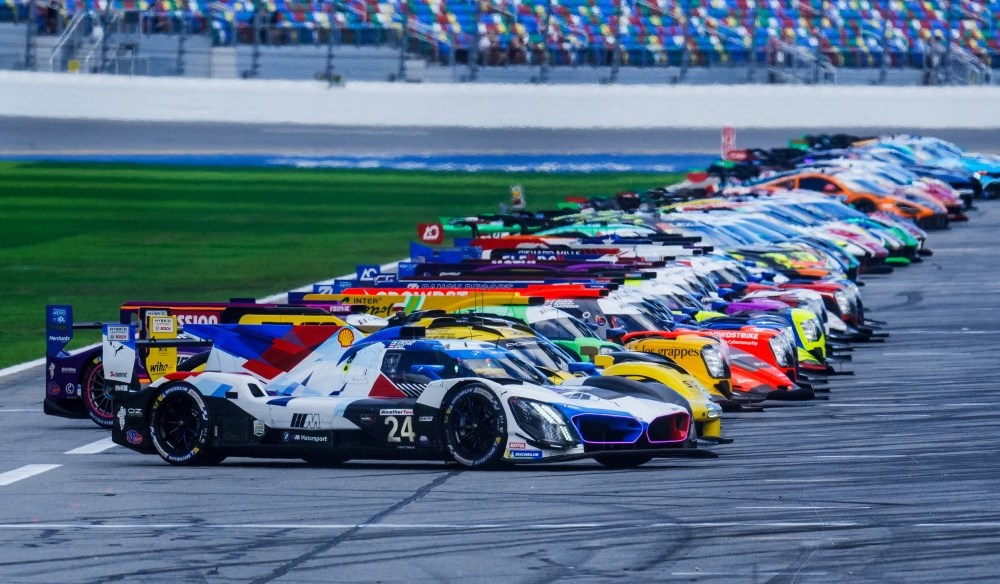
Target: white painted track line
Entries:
(25, 472)
(94, 447)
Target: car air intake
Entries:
(608, 429)
(666, 429)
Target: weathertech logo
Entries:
(305, 421)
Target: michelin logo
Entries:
(526, 454)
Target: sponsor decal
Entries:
(159, 368)
(60, 338)
(258, 428)
(59, 315)
(517, 200)
(366, 419)
(65, 370)
(121, 418)
(134, 413)
(118, 333)
(678, 353)
(70, 389)
(728, 141)
(395, 412)
(422, 292)
(163, 324)
(54, 389)
(737, 335)
(306, 421)
(426, 419)
(52, 370)
(133, 437)
(525, 453)
(197, 319)
(517, 446)
(156, 312)
(345, 337)
(430, 232)
(367, 273)
(297, 437)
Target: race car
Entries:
(327, 394)
(75, 384)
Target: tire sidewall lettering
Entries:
(202, 437)
(499, 442)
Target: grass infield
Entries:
(95, 235)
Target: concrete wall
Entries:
(495, 105)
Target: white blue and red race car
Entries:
(327, 394)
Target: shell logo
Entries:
(345, 337)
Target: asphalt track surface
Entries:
(892, 479)
(32, 136)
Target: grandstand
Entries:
(771, 40)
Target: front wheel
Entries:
(179, 425)
(96, 397)
(474, 426)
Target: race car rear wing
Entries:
(120, 353)
(59, 327)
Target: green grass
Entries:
(96, 235)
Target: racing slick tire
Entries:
(179, 426)
(96, 399)
(474, 426)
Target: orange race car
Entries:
(864, 196)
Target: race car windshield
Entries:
(562, 329)
(538, 354)
(493, 365)
(633, 322)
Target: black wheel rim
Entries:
(98, 397)
(474, 424)
(179, 424)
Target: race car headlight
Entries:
(544, 424)
(606, 350)
(843, 302)
(713, 361)
(779, 346)
(811, 330)
(714, 411)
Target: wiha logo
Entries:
(305, 421)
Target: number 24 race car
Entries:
(327, 394)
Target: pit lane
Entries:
(892, 479)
